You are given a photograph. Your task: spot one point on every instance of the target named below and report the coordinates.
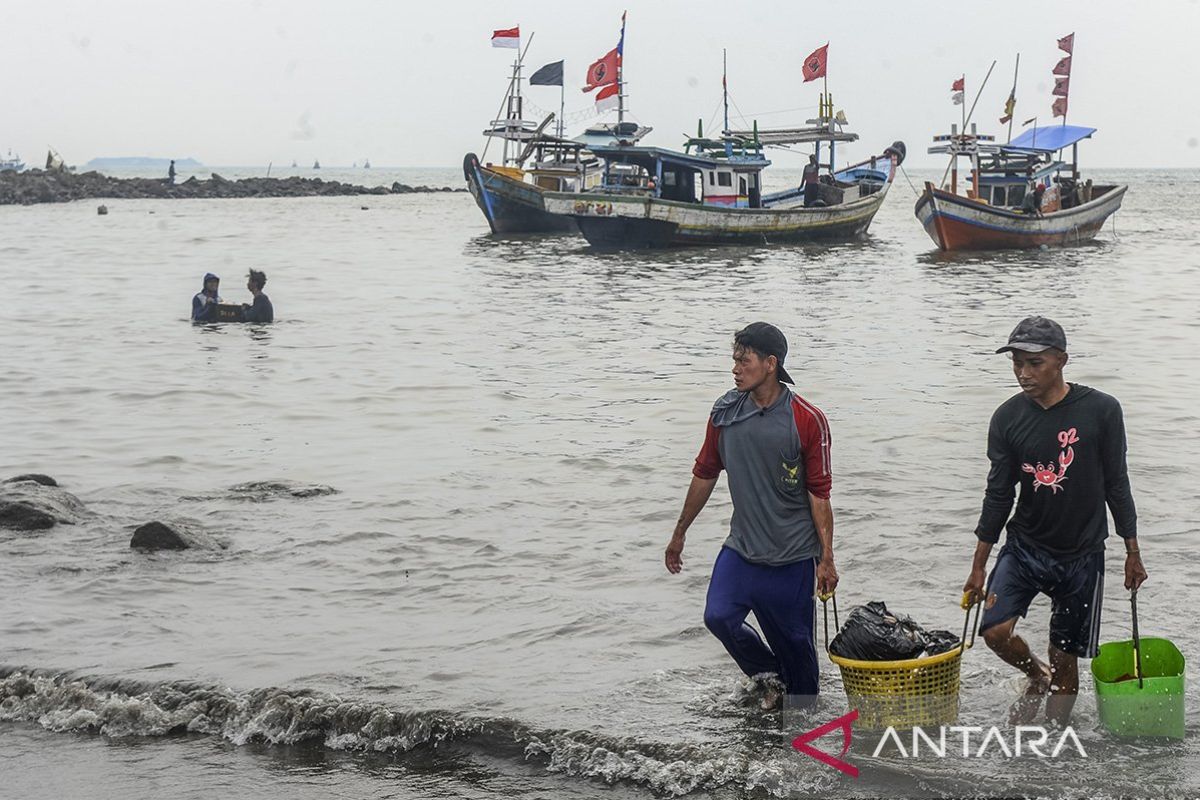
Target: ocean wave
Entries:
(123, 708)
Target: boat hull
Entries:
(510, 205)
(957, 223)
(640, 221)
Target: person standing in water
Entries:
(171, 172)
(775, 447)
(205, 300)
(1064, 445)
(261, 310)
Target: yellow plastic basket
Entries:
(903, 694)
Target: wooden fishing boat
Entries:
(510, 193)
(998, 210)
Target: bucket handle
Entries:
(966, 603)
(1137, 640)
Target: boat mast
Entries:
(725, 100)
(621, 77)
(1013, 94)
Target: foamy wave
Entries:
(120, 708)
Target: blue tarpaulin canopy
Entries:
(1050, 138)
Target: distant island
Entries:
(142, 162)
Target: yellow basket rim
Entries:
(908, 663)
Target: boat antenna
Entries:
(1013, 95)
(507, 94)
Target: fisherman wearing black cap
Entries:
(205, 302)
(775, 447)
(1064, 444)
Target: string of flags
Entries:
(1062, 76)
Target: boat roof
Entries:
(611, 133)
(1049, 138)
(820, 133)
(649, 156)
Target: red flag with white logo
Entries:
(1060, 107)
(814, 65)
(603, 71)
(1063, 67)
(1067, 43)
(1062, 87)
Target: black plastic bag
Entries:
(872, 633)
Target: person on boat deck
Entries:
(1064, 445)
(261, 310)
(775, 449)
(811, 180)
(205, 300)
(1033, 201)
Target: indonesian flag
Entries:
(959, 84)
(1067, 43)
(510, 37)
(1063, 67)
(814, 65)
(1060, 107)
(607, 98)
(1010, 105)
(604, 71)
(1062, 87)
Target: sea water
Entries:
(508, 424)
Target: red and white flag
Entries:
(509, 37)
(607, 98)
(1067, 43)
(1063, 67)
(814, 65)
(1062, 87)
(1060, 107)
(603, 71)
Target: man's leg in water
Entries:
(1015, 581)
(725, 614)
(783, 604)
(1064, 686)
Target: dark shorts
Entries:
(1075, 587)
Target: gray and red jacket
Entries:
(775, 457)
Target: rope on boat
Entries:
(904, 172)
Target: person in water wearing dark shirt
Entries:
(205, 300)
(1064, 444)
(261, 310)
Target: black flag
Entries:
(549, 75)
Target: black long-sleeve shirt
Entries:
(1069, 460)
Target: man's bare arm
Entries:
(697, 495)
(822, 514)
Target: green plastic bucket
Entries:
(1154, 709)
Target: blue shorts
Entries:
(1075, 587)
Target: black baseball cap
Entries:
(766, 340)
(1035, 334)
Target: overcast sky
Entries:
(412, 84)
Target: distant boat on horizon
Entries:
(316, 165)
(11, 163)
(367, 164)
(293, 163)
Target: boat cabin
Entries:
(1003, 175)
(734, 182)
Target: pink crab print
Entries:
(1053, 475)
